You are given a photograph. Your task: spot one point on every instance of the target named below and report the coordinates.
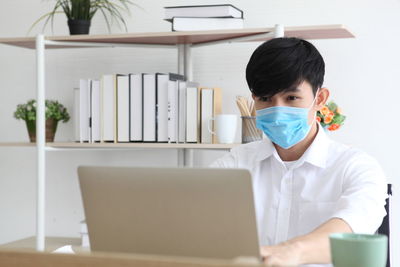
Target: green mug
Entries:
(358, 250)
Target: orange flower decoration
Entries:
(328, 119)
(325, 110)
(330, 116)
(334, 127)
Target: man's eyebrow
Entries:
(292, 89)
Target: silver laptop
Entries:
(188, 212)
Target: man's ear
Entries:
(322, 98)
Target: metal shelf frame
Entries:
(185, 67)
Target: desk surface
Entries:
(52, 243)
(21, 253)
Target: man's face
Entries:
(300, 97)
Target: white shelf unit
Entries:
(182, 41)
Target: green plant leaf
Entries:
(338, 119)
(86, 9)
(52, 13)
(332, 106)
(54, 109)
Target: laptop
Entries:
(189, 212)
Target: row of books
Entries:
(145, 107)
(204, 17)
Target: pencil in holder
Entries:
(250, 132)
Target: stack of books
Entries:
(204, 17)
(144, 107)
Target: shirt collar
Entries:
(316, 154)
(265, 149)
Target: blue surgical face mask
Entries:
(284, 126)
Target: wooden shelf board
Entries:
(192, 37)
(140, 145)
(73, 145)
(17, 144)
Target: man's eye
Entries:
(264, 98)
(292, 98)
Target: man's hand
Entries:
(284, 254)
(311, 248)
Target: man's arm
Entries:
(311, 248)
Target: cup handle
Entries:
(209, 125)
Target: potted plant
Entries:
(80, 13)
(55, 112)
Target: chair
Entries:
(385, 226)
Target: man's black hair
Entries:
(281, 64)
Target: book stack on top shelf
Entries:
(204, 17)
(144, 107)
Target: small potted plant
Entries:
(55, 112)
(330, 117)
(80, 13)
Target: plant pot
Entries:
(78, 26)
(51, 128)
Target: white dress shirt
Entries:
(330, 180)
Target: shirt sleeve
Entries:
(363, 197)
(226, 161)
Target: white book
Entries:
(122, 108)
(149, 107)
(108, 103)
(208, 11)
(192, 114)
(84, 109)
(89, 96)
(172, 111)
(162, 107)
(206, 114)
(77, 130)
(95, 111)
(136, 107)
(182, 112)
(206, 24)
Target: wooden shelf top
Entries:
(73, 145)
(191, 37)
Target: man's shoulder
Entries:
(248, 148)
(242, 156)
(350, 154)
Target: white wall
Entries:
(361, 73)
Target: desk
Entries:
(52, 243)
(32, 259)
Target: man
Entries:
(306, 186)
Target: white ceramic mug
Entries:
(225, 127)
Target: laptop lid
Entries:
(189, 212)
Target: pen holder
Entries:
(250, 132)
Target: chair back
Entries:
(385, 226)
